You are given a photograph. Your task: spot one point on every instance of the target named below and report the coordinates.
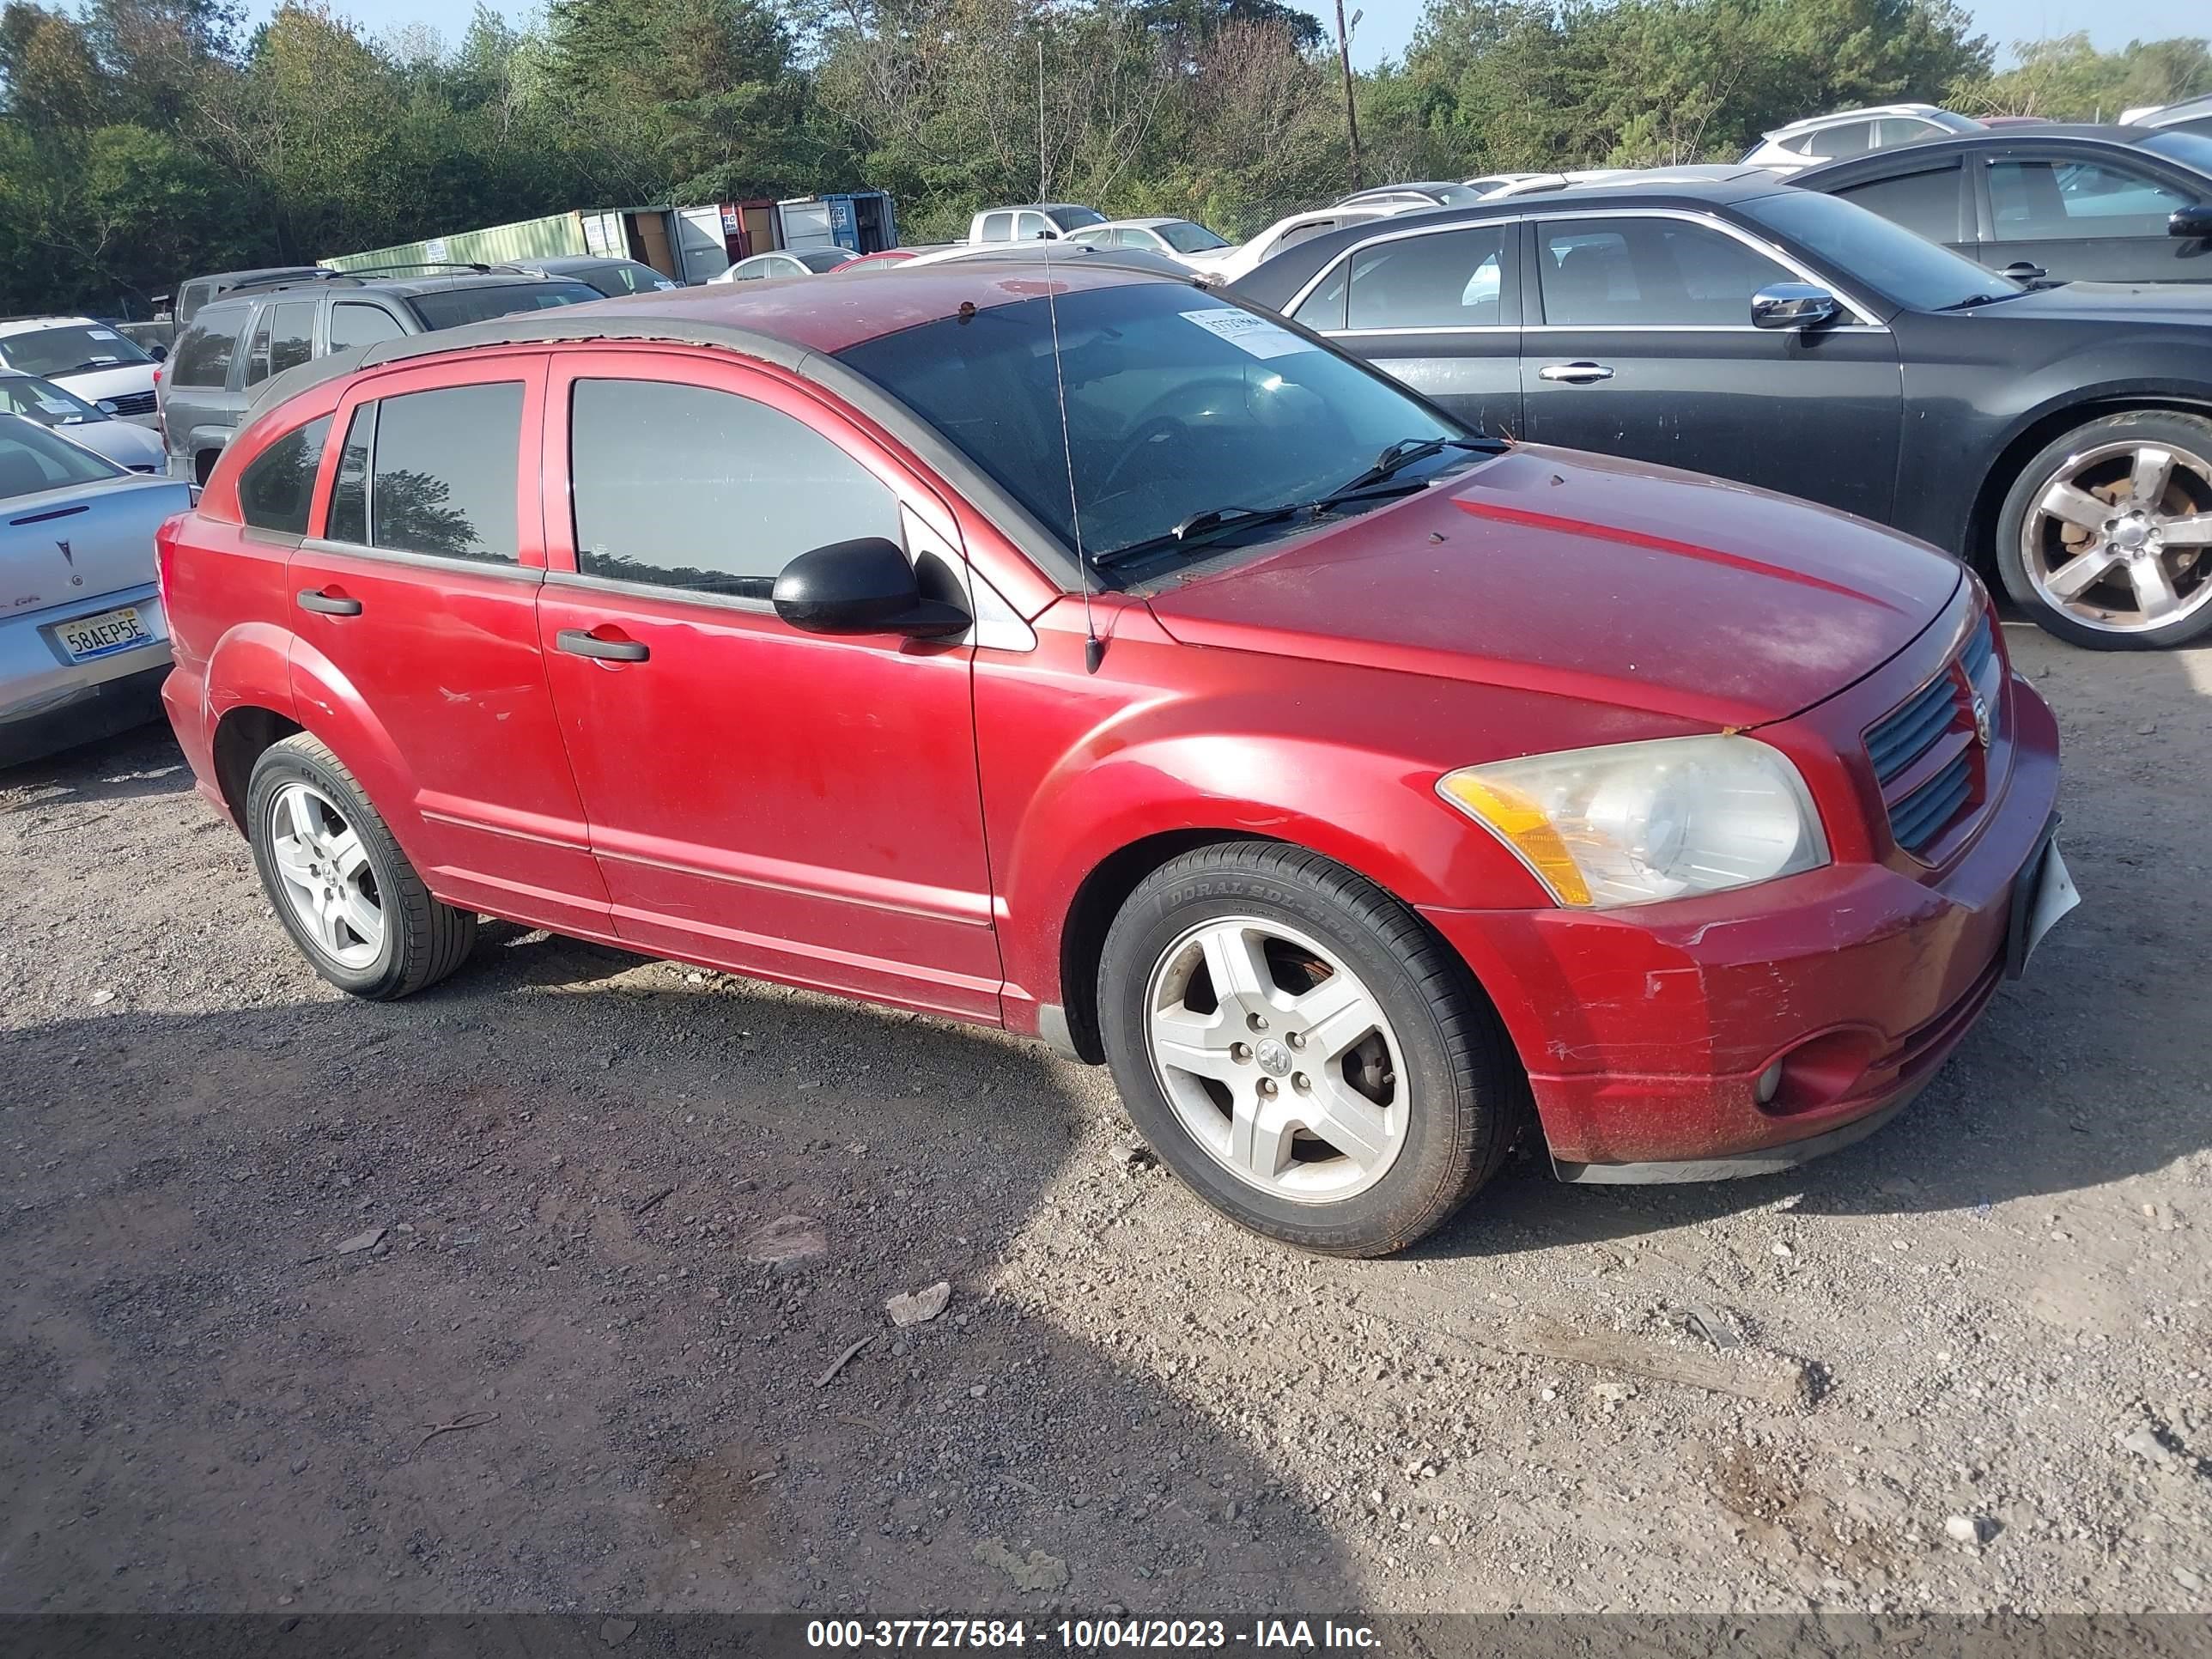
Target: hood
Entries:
(2103, 302)
(1589, 577)
(93, 384)
(120, 441)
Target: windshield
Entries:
(823, 258)
(1177, 404)
(31, 459)
(1186, 238)
(69, 348)
(1869, 248)
(47, 404)
(451, 307)
(1074, 218)
(2191, 149)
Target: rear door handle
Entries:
(578, 643)
(328, 604)
(1575, 373)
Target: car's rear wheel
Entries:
(344, 891)
(1301, 1049)
(2107, 537)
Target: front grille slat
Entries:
(1923, 806)
(134, 403)
(1916, 820)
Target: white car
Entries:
(88, 357)
(123, 443)
(1820, 138)
(787, 262)
(1289, 232)
(83, 643)
(1179, 240)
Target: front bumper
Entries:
(48, 701)
(1645, 1032)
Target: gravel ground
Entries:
(521, 1294)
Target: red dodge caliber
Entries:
(1077, 651)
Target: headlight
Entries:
(1635, 822)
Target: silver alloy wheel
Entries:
(2120, 536)
(326, 875)
(1277, 1059)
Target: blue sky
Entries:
(1388, 24)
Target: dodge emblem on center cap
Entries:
(1981, 723)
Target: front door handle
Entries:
(328, 604)
(578, 643)
(1575, 373)
(2024, 271)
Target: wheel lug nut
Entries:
(1267, 1086)
(1239, 1052)
(1301, 1082)
(1296, 1039)
(1257, 1022)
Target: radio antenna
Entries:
(1094, 648)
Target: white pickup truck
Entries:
(1036, 221)
(83, 643)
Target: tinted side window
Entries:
(257, 364)
(2032, 199)
(292, 335)
(685, 487)
(1897, 130)
(1925, 203)
(358, 325)
(275, 492)
(1029, 226)
(348, 518)
(1453, 279)
(1849, 139)
(1648, 273)
(998, 228)
(1323, 308)
(202, 356)
(442, 472)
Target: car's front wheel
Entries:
(344, 891)
(1301, 1049)
(2106, 538)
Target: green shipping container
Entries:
(552, 237)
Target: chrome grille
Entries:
(1926, 752)
(134, 403)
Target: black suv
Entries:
(260, 328)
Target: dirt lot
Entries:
(630, 1213)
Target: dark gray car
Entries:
(237, 342)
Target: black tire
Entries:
(424, 941)
(1468, 1093)
(2190, 433)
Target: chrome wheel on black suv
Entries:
(2107, 536)
(1295, 1044)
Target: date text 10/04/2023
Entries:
(1086, 1635)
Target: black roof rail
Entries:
(470, 265)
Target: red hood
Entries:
(1606, 580)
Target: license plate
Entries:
(2044, 893)
(103, 636)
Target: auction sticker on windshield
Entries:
(1249, 333)
(103, 636)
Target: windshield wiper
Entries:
(1973, 301)
(1403, 453)
(1216, 522)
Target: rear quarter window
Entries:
(203, 357)
(278, 485)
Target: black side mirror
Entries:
(1793, 305)
(863, 587)
(2194, 220)
(159, 354)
